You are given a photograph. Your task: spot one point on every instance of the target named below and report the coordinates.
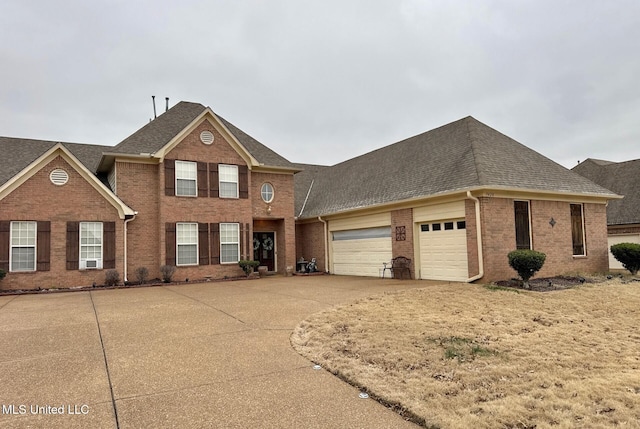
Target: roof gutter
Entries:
(478, 239)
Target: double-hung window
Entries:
(186, 176)
(23, 246)
(229, 243)
(228, 175)
(577, 230)
(186, 244)
(90, 245)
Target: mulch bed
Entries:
(548, 284)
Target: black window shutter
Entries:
(214, 230)
(44, 246)
(203, 243)
(170, 243)
(73, 245)
(243, 181)
(5, 228)
(109, 237)
(214, 184)
(203, 189)
(170, 177)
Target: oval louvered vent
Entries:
(206, 137)
(59, 177)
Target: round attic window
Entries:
(267, 192)
(206, 137)
(59, 177)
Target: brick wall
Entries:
(137, 186)
(310, 243)
(39, 200)
(626, 229)
(402, 235)
(555, 241)
(472, 237)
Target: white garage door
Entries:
(443, 250)
(361, 252)
(615, 239)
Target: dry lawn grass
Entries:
(466, 356)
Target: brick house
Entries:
(455, 200)
(188, 189)
(623, 216)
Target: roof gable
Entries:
(162, 134)
(59, 149)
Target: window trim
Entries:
(82, 263)
(222, 225)
(177, 177)
(582, 227)
(263, 191)
(178, 244)
(220, 181)
(528, 223)
(35, 246)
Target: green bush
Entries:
(628, 254)
(3, 273)
(526, 263)
(248, 266)
(142, 274)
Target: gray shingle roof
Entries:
(461, 155)
(157, 133)
(621, 178)
(18, 153)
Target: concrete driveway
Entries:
(209, 355)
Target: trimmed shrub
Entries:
(167, 272)
(628, 254)
(248, 266)
(3, 273)
(526, 263)
(142, 274)
(111, 277)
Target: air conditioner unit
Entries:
(91, 263)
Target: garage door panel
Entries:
(443, 254)
(361, 257)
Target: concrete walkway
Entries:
(212, 355)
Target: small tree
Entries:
(111, 277)
(248, 266)
(526, 263)
(167, 272)
(142, 274)
(628, 254)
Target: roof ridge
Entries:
(473, 148)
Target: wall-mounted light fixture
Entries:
(268, 209)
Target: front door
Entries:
(264, 245)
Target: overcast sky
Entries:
(323, 81)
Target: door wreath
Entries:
(256, 244)
(267, 244)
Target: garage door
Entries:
(443, 250)
(360, 252)
(615, 239)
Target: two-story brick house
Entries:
(188, 189)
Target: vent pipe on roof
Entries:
(167, 105)
(153, 98)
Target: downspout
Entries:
(126, 221)
(479, 240)
(326, 245)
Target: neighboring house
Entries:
(455, 200)
(188, 189)
(623, 216)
